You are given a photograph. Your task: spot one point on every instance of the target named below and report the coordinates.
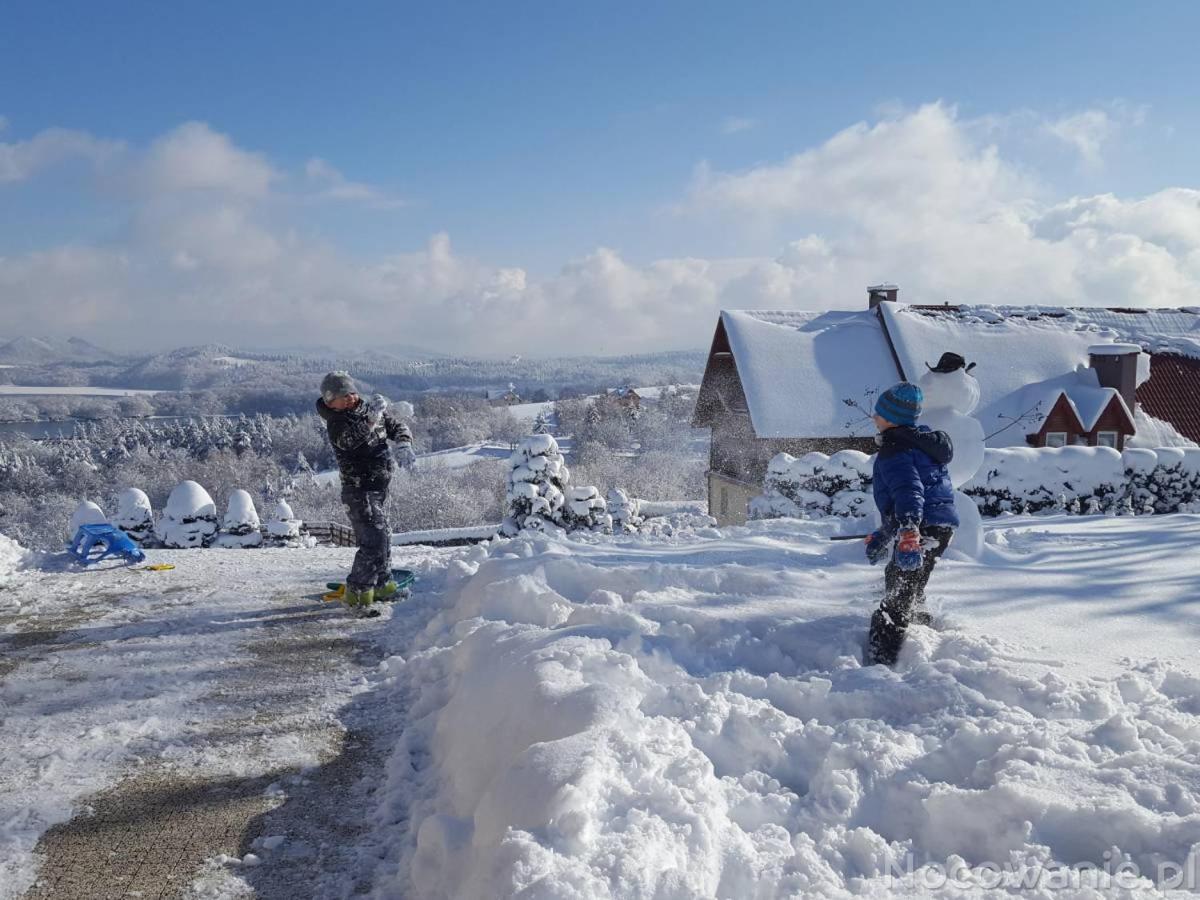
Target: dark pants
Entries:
(373, 561)
(903, 590)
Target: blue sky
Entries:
(533, 134)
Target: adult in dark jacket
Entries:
(915, 499)
(359, 432)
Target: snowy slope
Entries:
(690, 719)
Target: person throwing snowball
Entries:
(359, 432)
(916, 508)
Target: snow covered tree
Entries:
(625, 512)
(240, 527)
(189, 519)
(537, 478)
(542, 425)
(134, 515)
(284, 527)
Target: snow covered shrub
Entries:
(86, 513)
(625, 512)
(189, 519)
(240, 527)
(134, 515)
(537, 480)
(1164, 480)
(1079, 480)
(585, 510)
(816, 485)
(284, 527)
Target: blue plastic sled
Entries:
(93, 543)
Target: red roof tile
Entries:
(1172, 392)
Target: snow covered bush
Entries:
(189, 519)
(134, 515)
(537, 481)
(585, 510)
(284, 527)
(1081, 480)
(816, 485)
(1164, 480)
(240, 527)
(625, 512)
(86, 513)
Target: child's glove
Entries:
(877, 543)
(404, 455)
(909, 552)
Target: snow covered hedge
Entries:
(1086, 480)
(1080, 480)
(816, 485)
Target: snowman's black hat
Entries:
(950, 362)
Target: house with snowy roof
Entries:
(794, 381)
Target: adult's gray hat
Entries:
(337, 384)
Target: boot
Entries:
(359, 599)
(389, 590)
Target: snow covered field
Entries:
(16, 390)
(681, 716)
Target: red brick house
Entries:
(796, 381)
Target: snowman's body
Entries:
(949, 398)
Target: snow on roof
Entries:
(1025, 361)
(798, 368)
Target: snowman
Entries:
(951, 393)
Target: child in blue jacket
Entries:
(915, 499)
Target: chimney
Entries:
(881, 293)
(1116, 366)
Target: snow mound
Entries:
(189, 501)
(190, 518)
(692, 729)
(240, 527)
(135, 516)
(86, 513)
(284, 527)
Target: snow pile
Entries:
(585, 510)
(1083, 480)
(12, 558)
(816, 485)
(135, 516)
(624, 510)
(537, 482)
(190, 518)
(284, 527)
(86, 513)
(240, 527)
(707, 730)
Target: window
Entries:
(1056, 439)
(1106, 439)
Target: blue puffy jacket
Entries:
(911, 484)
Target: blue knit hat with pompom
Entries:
(900, 404)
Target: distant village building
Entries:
(626, 397)
(507, 397)
(791, 381)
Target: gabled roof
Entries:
(797, 369)
(1088, 403)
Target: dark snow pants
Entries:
(903, 590)
(373, 561)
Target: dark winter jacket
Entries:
(911, 484)
(361, 446)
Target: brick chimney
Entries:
(1116, 366)
(881, 293)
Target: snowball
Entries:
(86, 513)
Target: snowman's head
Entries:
(957, 391)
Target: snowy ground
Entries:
(73, 391)
(680, 716)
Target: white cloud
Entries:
(1086, 132)
(919, 197)
(20, 160)
(193, 157)
(331, 184)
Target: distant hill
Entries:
(32, 351)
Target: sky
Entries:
(549, 179)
